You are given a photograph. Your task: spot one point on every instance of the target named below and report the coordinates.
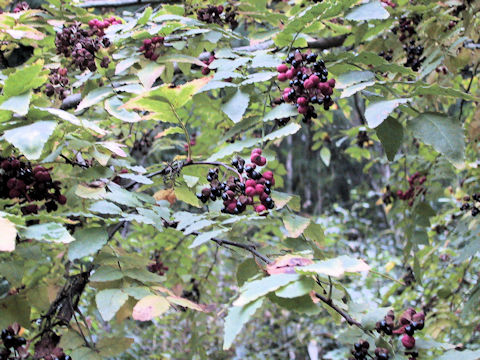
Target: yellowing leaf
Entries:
(9, 234)
(166, 194)
(150, 307)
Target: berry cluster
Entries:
(387, 55)
(414, 55)
(58, 79)
(82, 46)
(19, 180)
(193, 141)
(206, 69)
(360, 352)
(150, 45)
(409, 322)
(309, 84)
(157, 267)
(11, 340)
(21, 6)
(407, 27)
(363, 140)
(442, 69)
(471, 204)
(389, 3)
(415, 189)
(388, 196)
(211, 15)
(238, 193)
(98, 26)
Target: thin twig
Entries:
(348, 318)
(467, 91)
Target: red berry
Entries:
(268, 175)
(285, 97)
(230, 194)
(282, 77)
(302, 101)
(13, 193)
(331, 83)
(220, 9)
(302, 109)
(205, 70)
(11, 183)
(263, 196)
(408, 341)
(147, 42)
(259, 189)
(308, 84)
(257, 151)
(231, 207)
(260, 208)
(250, 183)
(286, 90)
(282, 68)
(261, 161)
(290, 74)
(315, 79)
(62, 199)
(250, 191)
(38, 168)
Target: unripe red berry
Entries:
(6, 165)
(408, 341)
(220, 9)
(285, 97)
(230, 194)
(43, 176)
(263, 196)
(11, 183)
(154, 57)
(231, 207)
(331, 83)
(260, 208)
(302, 101)
(62, 71)
(302, 109)
(147, 42)
(250, 183)
(282, 68)
(308, 84)
(268, 175)
(282, 77)
(290, 74)
(259, 189)
(205, 70)
(250, 191)
(13, 193)
(315, 79)
(261, 161)
(62, 199)
(92, 23)
(206, 192)
(257, 151)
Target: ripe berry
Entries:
(260, 209)
(250, 191)
(408, 341)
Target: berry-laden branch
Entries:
(342, 313)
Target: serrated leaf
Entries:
(295, 224)
(22, 80)
(109, 301)
(106, 273)
(353, 77)
(281, 111)
(445, 134)
(105, 207)
(150, 307)
(236, 318)
(369, 11)
(287, 130)
(94, 97)
(335, 267)
(113, 107)
(351, 90)
(31, 139)
(51, 232)
(137, 178)
(296, 289)
(90, 192)
(253, 290)
(378, 111)
(88, 242)
(236, 106)
(150, 73)
(390, 133)
(205, 237)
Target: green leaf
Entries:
(369, 11)
(287, 130)
(435, 89)
(251, 291)
(150, 73)
(51, 232)
(141, 179)
(353, 77)
(18, 104)
(113, 107)
(31, 139)
(281, 111)
(335, 267)
(205, 237)
(15, 308)
(236, 106)
(295, 224)
(464, 355)
(378, 111)
(88, 242)
(112, 346)
(85, 353)
(90, 192)
(109, 301)
(236, 318)
(445, 134)
(325, 155)
(106, 273)
(94, 97)
(390, 133)
(185, 194)
(351, 90)
(296, 289)
(105, 207)
(246, 270)
(22, 80)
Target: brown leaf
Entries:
(166, 194)
(286, 264)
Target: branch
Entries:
(249, 248)
(120, 3)
(342, 313)
(468, 90)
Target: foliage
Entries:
(110, 124)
